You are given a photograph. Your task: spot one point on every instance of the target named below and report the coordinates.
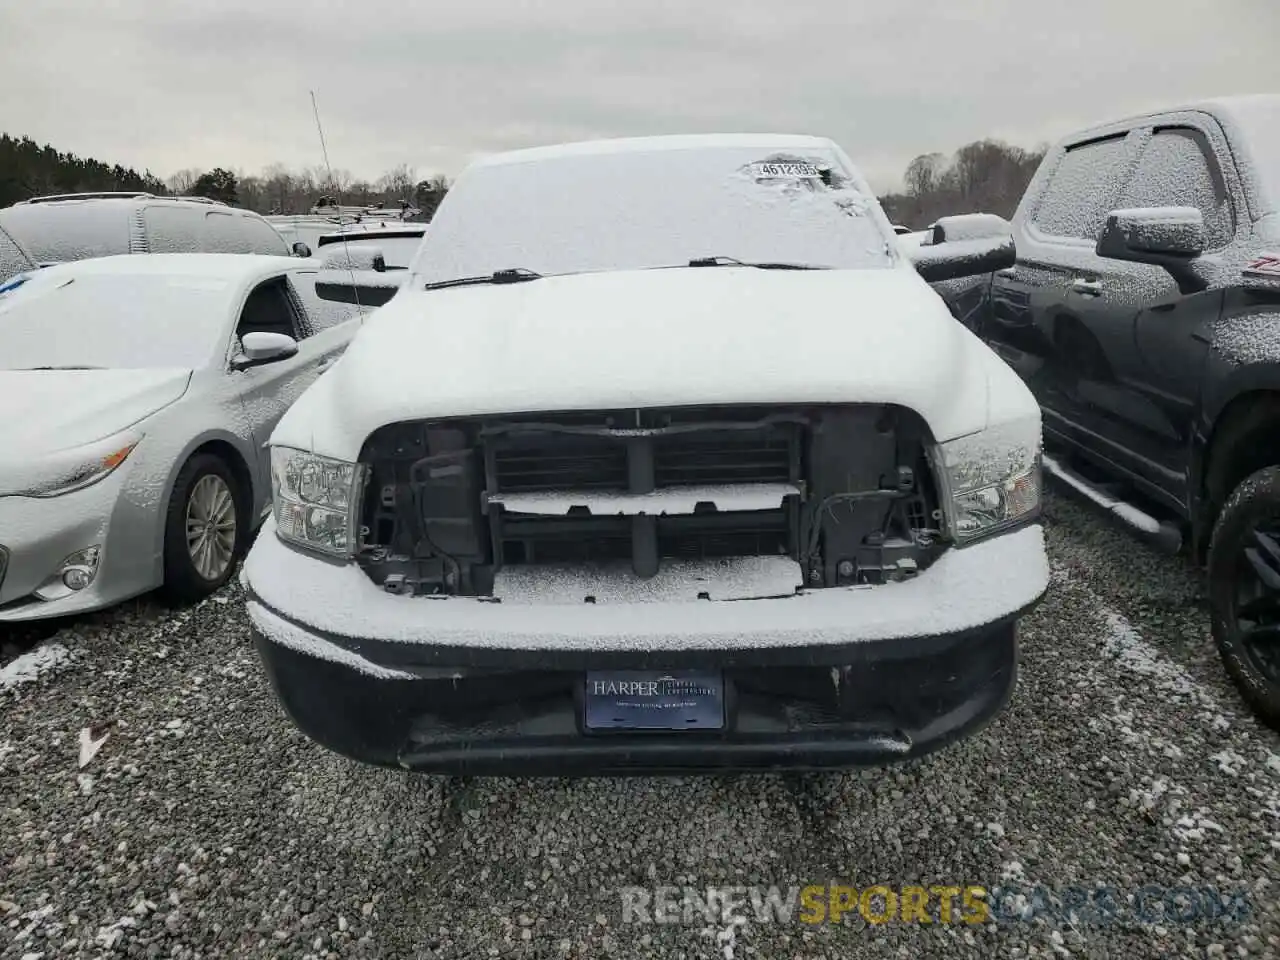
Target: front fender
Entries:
(178, 453)
(1243, 361)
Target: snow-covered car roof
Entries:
(233, 272)
(704, 141)
(226, 266)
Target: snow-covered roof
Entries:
(233, 267)
(767, 141)
(1228, 106)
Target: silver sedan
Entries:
(138, 394)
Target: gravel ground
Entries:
(208, 827)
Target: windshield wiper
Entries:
(733, 262)
(512, 275)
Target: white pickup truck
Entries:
(664, 457)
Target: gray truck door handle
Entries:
(1090, 288)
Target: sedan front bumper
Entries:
(824, 679)
(38, 534)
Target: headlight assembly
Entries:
(992, 479)
(69, 470)
(316, 500)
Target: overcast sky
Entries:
(432, 83)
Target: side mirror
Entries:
(301, 249)
(1169, 237)
(963, 246)
(367, 288)
(260, 348)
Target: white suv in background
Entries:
(79, 226)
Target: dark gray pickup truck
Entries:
(1144, 313)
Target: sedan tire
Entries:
(204, 529)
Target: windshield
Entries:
(635, 209)
(113, 320)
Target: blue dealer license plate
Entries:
(653, 700)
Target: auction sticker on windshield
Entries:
(784, 171)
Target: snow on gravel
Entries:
(207, 827)
(30, 666)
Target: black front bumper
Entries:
(884, 701)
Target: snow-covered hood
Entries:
(47, 410)
(650, 338)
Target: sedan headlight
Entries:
(992, 479)
(316, 500)
(68, 470)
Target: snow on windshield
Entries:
(574, 213)
(113, 320)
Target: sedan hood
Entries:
(667, 337)
(47, 410)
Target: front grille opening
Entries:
(538, 540)
(723, 457)
(541, 462)
(764, 533)
(576, 549)
(822, 452)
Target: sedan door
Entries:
(267, 391)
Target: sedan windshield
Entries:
(112, 321)
(641, 208)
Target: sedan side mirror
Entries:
(301, 249)
(1169, 237)
(259, 347)
(963, 246)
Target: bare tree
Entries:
(251, 190)
(923, 173)
(398, 183)
(278, 189)
(986, 176)
(181, 182)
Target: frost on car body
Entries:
(119, 375)
(1143, 311)
(71, 227)
(692, 421)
